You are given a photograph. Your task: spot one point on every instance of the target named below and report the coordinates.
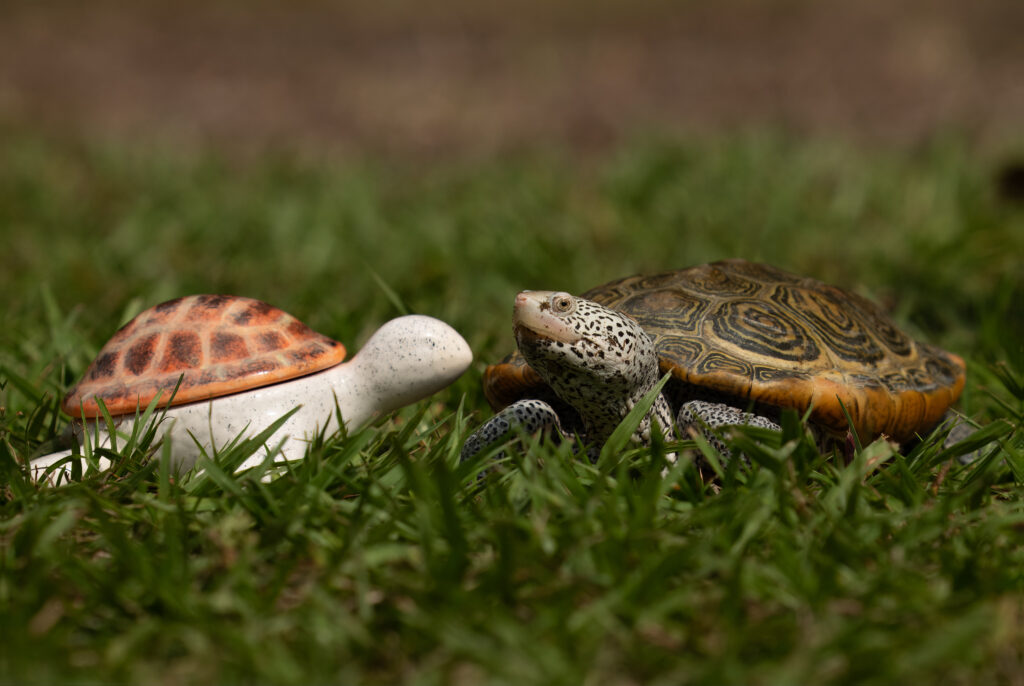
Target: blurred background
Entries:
(463, 77)
(348, 161)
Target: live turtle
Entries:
(742, 341)
(235, 365)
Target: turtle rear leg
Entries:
(708, 418)
(959, 429)
(529, 416)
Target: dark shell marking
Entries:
(214, 344)
(757, 334)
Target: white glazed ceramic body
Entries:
(406, 360)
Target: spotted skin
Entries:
(213, 344)
(709, 419)
(529, 416)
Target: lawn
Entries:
(380, 558)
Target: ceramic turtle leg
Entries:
(529, 416)
(707, 418)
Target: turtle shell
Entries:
(213, 345)
(759, 335)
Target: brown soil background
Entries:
(458, 76)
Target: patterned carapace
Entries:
(213, 344)
(754, 333)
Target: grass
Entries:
(381, 559)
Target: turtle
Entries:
(741, 340)
(226, 366)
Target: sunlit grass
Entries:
(380, 558)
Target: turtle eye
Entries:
(561, 303)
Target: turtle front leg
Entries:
(529, 416)
(707, 418)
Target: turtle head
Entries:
(596, 359)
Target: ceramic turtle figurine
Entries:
(741, 340)
(235, 365)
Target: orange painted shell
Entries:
(213, 344)
(755, 333)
